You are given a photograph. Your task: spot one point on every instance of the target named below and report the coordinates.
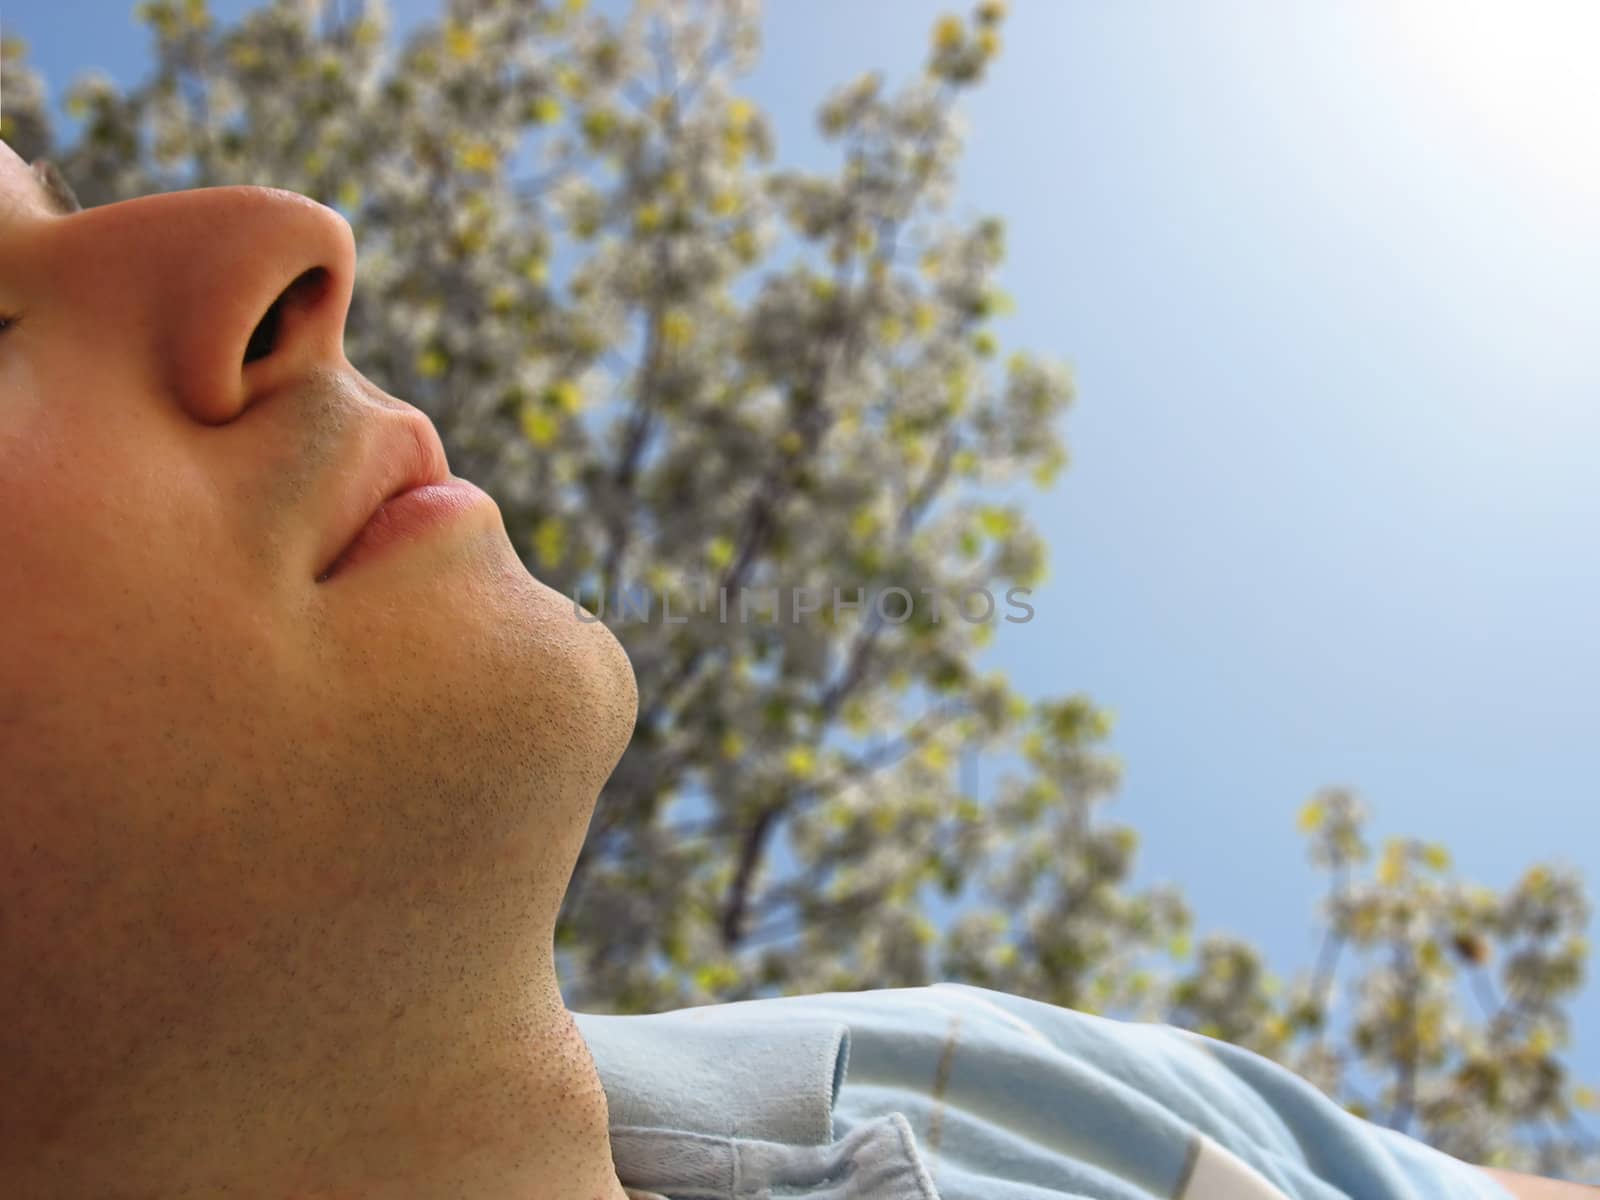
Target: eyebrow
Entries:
(59, 197)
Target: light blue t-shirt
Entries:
(957, 1092)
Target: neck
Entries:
(372, 1080)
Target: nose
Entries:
(231, 291)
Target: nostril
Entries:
(306, 288)
(266, 333)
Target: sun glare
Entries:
(1523, 72)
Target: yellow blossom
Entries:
(471, 240)
(1045, 473)
(996, 522)
(744, 245)
(550, 541)
(716, 976)
(801, 762)
(460, 41)
(477, 156)
(1391, 868)
(677, 329)
(855, 717)
(538, 426)
(1430, 956)
(566, 396)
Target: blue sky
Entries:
(1325, 275)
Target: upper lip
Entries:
(397, 454)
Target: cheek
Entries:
(21, 400)
(76, 573)
(125, 615)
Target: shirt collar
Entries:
(726, 1070)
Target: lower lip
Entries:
(407, 518)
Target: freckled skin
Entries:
(280, 862)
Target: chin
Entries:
(618, 702)
(597, 675)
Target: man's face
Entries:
(203, 746)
